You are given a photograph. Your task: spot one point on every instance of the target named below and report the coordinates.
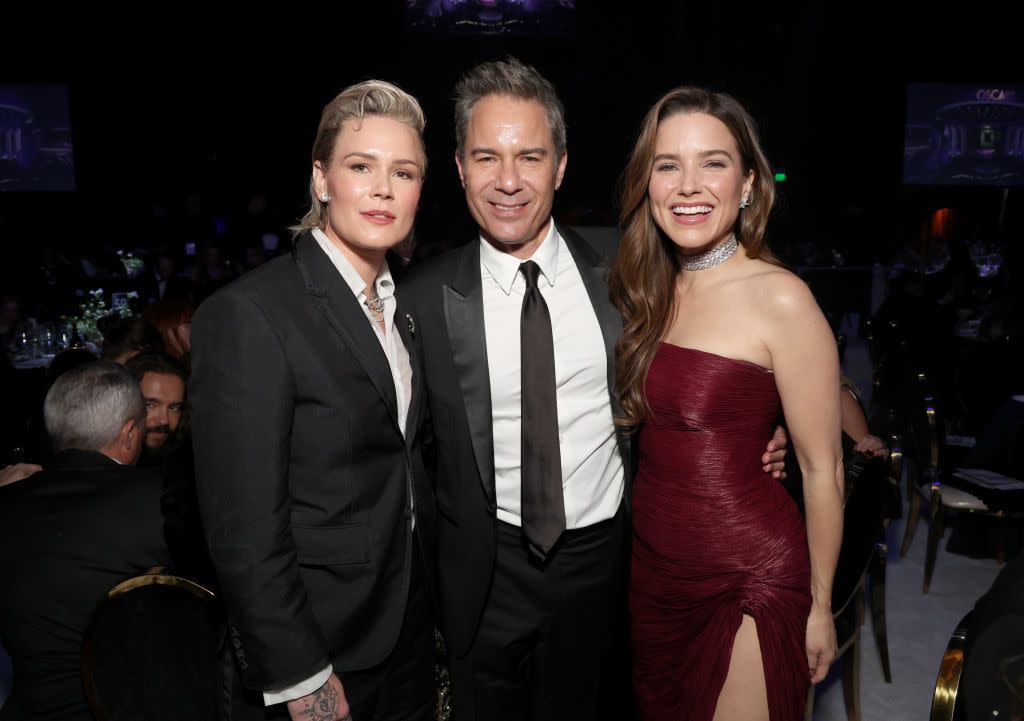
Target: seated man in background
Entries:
(71, 532)
(167, 445)
(162, 382)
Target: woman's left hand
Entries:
(821, 642)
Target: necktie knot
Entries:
(531, 272)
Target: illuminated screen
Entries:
(964, 135)
(35, 139)
(491, 17)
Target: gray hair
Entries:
(87, 406)
(370, 98)
(510, 78)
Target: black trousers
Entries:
(402, 688)
(553, 639)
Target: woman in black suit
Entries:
(306, 403)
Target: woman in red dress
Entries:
(730, 589)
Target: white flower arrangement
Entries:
(91, 309)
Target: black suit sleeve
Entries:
(242, 398)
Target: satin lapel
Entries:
(594, 271)
(406, 331)
(464, 317)
(339, 306)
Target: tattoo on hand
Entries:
(322, 705)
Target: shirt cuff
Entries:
(302, 688)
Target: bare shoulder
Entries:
(781, 292)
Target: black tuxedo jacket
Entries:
(68, 534)
(303, 474)
(446, 297)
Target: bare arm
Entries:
(855, 425)
(806, 367)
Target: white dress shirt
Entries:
(401, 373)
(592, 473)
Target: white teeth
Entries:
(691, 209)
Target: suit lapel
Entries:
(593, 269)
(333, 297)
(404, 326)
(464, 318)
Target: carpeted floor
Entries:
(919, 625)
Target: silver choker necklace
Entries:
(716, 256)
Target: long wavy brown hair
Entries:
(643, 275)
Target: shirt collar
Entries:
(385, 284)
(504, 267)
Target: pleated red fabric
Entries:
(715, 537)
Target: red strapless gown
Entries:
(715, 537)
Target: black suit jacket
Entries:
(446, 297)
(68, 534)
(303, 474)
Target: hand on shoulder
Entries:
(17, 472)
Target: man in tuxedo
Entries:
(532, 478)
(73, 531)
(305, 396)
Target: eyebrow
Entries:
(701, 154)
(369, 156)
(540, 150)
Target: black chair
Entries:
(863, 531)
(933, 480)
(992, 682)
(152, 651)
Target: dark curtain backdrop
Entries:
(176, 99)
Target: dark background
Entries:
(174, 100)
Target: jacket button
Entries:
(491, 508)
(407, 512)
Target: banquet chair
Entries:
(931, 480)
(863, 531)
(152, 650)
(947, 684)
(877, 564)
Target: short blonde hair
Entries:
(370, 98)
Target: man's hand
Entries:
(327, 703)
(774, 458)
(17, 472)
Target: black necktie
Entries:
(543, 508)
